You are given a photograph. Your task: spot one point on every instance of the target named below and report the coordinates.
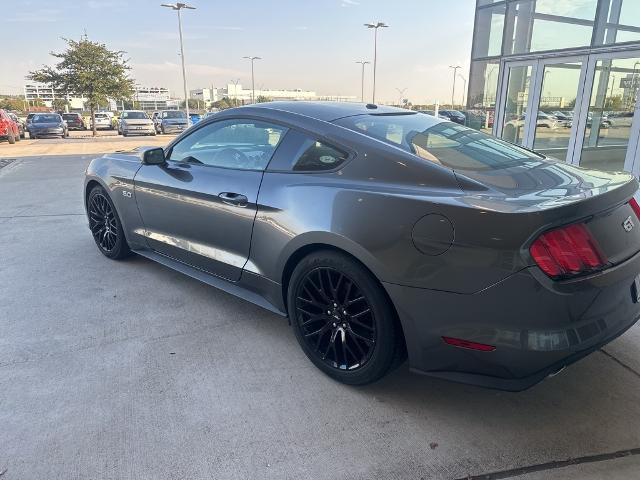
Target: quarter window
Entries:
(239, 144)
(318, 156)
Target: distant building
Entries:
(146, 98)
(244, 95)
(47, 94)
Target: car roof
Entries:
(329, 111)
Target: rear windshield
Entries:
(70, 116)
(174, 114)
(134, 115)
(102, 115)
(446, 143)
(46, 118)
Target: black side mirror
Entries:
(153, 156)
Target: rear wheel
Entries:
(17, 137)
(343, 319)
(11, 138)
(105, 225)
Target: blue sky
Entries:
(309, 44)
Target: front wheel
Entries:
(343, 319)
(11, 138)
(105, 225)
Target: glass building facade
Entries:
(561, 77)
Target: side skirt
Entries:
(247, 293)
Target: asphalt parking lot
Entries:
(128, 370)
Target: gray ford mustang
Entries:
(383, 233)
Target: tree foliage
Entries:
(88, 69)
(11, 103)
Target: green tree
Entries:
(193, 104)
(90, 70)
(262, 99)
(12, 103)
(58, 104)
(613, 103)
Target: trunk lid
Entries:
(556, 194)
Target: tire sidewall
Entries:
(121, 249)
(386, 332)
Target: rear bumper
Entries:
(174, 128)
(537, 326)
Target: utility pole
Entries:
(375, 27)
(178, 7)
(453, 89)
(363, 63)
(253, 84)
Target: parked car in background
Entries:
(173, 121)
(74, 121)
(155, 118)
(546, 120)
(433, 114)
(19, 122)
(210, 114)
(28, 119)
(103, 121)
(8, 128)
(195, 118)
(485, 262)
(453, 115)
(135, 122)
(48, 125)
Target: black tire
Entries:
(124, 134)
(17, 138)
(354, 315)
(10, 138)
(105, 225)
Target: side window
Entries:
(239, 144)
(302, 153)
(319, 156)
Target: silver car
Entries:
(135, 122)
(173, 121)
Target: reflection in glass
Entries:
(482, 95)
(515, 108)
(556, 109)
(611, 108)
(489, 27)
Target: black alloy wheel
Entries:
(343, 319)
(105, 225)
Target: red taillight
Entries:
(459, 342)
(635, 207)
(569, 250)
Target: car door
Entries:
(199, 206)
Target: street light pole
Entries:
(375, 27)
(401, 92)
(363, 63)
(253, 84)
(453, 89)
(179, 6)
(464, 89)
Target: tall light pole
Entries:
(235, 92)
(177, 7)
(253, 84)
(401, 92)
(363, 63)
(464, 89)
(375, 27)
(453, 88)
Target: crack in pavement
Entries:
(621, 363)
(515, 472)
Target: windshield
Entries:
(46, 118)
(70, 116)
(174, 114)
(134, 115)
(445, 143)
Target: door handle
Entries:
(235, 199)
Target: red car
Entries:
(8, 128)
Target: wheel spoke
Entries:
(323, 300)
